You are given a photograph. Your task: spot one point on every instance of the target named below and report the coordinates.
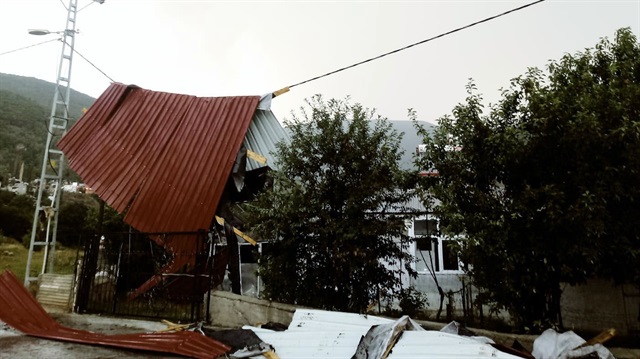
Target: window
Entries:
(248, 253)
(433, 251)
(449, 256)
(425, 227)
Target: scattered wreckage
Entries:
(311, 334)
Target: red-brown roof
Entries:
(163, 158)
(21, 311)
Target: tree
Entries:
(16, 214)
(545, 188)
(75, 220)
(335, 212)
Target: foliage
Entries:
(23, 133)
(16, 214)
(13, 256)
(25, 105)
(75, 219)
(546, 186)
(112, 221)
(412, 302)
(41, 92)
(334, 210)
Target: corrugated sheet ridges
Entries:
(21, 311)
(172, 153)
(264, 133)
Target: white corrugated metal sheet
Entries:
(331, 344)
(325, 334)
(439, 345)
(322, 320)
(263, 134)
(320, 334)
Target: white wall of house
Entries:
(595, 306)
(433, 257)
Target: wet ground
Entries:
(14, 344)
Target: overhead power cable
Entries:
(410, 46)
(91, 63)
(26, 47)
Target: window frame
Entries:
(437, 248)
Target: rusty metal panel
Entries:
(21, 311)
(162, 158)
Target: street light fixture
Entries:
(40, 32)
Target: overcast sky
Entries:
(220, 48)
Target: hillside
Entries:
(25, 105)
(410, 139)
(41, 92)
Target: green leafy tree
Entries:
(546, 186)
(16, 214)
(75, 220)
(335, 212)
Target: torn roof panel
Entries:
(165, 156)
(315, 319)
(434, 344)
(327, 344)
(327, 334)
(264, 133)
(21, 311)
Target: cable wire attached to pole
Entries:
(94, 66)
(26, 47)
(418, 43)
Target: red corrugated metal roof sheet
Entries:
(21, 311)
(163, 158)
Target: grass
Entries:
(13, 256)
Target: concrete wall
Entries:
(593, 307)
(230, 310)
(448, 281)
(600, 305)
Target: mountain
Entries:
(25, 106)
(410, 139)
(41, 92)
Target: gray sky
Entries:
(219, 48)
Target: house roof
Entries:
(162, 158)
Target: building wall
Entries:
(600, 305)
(593, 307)
(230, 310)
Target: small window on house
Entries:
(248, 253)
(427, 254)
(450, 259)
(425, 227)
(424, 243)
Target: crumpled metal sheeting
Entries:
(20, 310)
(163, 158)
(325, 334)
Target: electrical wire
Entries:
(26, 47)
(419, 42)
(86, 6)
(91, 63)
(65, 6)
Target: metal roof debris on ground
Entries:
(20, 310)
(326, 334)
